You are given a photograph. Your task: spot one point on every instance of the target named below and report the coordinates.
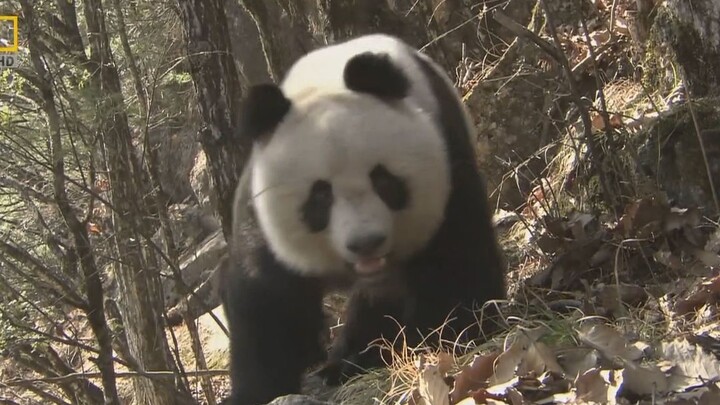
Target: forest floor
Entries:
(572, 332)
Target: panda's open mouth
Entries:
(369, 266)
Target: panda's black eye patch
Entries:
(390, 188)
(316, 209)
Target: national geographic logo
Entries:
(9, 41)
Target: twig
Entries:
(583, 111)
(122, 374)
(612, 18)
(593, 58)
(598, 82)
(521, 31)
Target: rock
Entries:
(176, 151)
(296, 399)
(196, 266)
(203, 298)
(671, 158)
(190, 225)
(512, 127)
(686, 33)
(201, 181)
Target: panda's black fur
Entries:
(275, 313)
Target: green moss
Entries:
(660, 68)
(676, 45)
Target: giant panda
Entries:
(363, 177)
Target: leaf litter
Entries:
(620, 341)
(606, 367)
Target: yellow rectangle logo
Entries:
(9, 33)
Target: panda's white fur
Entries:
(338, 135)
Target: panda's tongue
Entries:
(369, 266)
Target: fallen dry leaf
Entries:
(713, 242)
(577, 222)
(644, 380)
(599, 37)
(703, 396)
(609, 342)
(691, 365)
(445, 362)
(432, 388)
(507, 362)
(538, 359)
(516, 398)
(668, 259)
(621, 27)
(472, 377)
(93, 228)
(611, 297)
(709, 259)
(467, 401)
(603, 254)
(482, 396)
(577, 361)
(500, 390)
(707, 341)
(679, 218)
(711, 397)
(642, 217)
(596, 386)
(533, 389)
(597, 123)
(705, 294)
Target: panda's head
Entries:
(347, 175)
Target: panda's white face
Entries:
(348, 182)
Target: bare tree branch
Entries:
(93, 284)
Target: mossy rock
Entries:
(684, 38)
(671, 156)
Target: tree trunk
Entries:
(219, 91)
(289, 29)
(284, 29)
(245, 42)
(142, 304)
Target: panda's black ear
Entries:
(374, 73)
(262, 110)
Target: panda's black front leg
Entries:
(368, 318)
(275, 319)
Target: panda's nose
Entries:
(366, 245)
